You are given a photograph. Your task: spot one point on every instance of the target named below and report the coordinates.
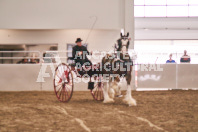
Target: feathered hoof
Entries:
(130, 102)
(119, 96)
(111, 95)
(108, 101)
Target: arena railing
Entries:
(64, 56)
(20, 57)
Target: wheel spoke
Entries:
(57, 73)
(60, 93)
(97, 91)
(59, 88)
(67, 92)
(68, 89)
(59, 70)
(100, 94)
(57, 83)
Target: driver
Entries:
(79, 53)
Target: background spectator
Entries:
(185, 58)
(170, 59)
(23, 61)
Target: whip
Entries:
(91, 27)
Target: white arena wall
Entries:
(172, 76)
(61, 14)
(24, 77)
(101, 40)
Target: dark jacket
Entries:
(77, 49)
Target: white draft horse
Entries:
(120, 66)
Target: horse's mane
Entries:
(119, 44)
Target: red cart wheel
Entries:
(63, 83)
(97, 91)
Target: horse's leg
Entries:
(128, 97)
(111, 89)
(107, 99)
(118, 90)
(117, 86)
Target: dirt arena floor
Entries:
(169, 111)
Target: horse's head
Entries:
(123, 43)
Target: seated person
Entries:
(170, 60)
(23, 61)
(185, 58)
(79, 54)
(33, 61)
